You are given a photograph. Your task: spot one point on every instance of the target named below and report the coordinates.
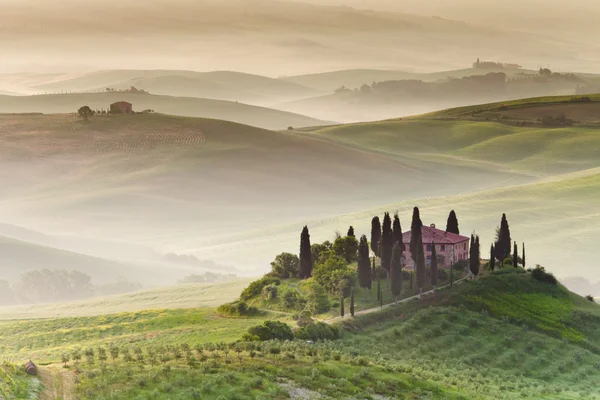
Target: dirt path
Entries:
(375, 309)
(59, 383)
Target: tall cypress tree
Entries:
(515, 256)
(492, 258)
(416, 249)
(352, 302)
(350, 231)
(452, 224)
(306, 263)
(523, 255)
(397, 229)
(373, 270)
(434, 266)
(375, 235)
(504, 241)
(474, 255)
(387, 243)
(365, 277)
(396, 271)
(342, 306)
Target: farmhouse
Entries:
(121, 107)
(450, 247)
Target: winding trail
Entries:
(379, 308)
(59, 383)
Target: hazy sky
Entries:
(278, 38)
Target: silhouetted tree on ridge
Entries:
(452, 224)
(375, 235)
(387, 243)
(306, 263)
(365, 278)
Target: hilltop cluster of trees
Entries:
(489, 86)
(45, 286)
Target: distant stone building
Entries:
(450, 247)
(121, 107)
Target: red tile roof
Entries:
(431, 234)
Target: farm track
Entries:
(59, 383)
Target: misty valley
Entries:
(311, 199)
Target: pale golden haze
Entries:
(275, 38)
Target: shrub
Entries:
(461, 265)
(539, 273)
(335, 276)
(318, 331)
(255, 288)
(590, 298)
(269, 292)
(286, 265)
(316, 298)
(292, 299)
(237, 309)
(346, 247)
(270, 330)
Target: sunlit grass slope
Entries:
(530, 150)
(181, 296)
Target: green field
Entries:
(502, 336)
(191, 295)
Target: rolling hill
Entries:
(502, 336)
(184, 106)
(220, 85)
(238, 195)
(355, 78)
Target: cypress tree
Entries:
(523, 255)
(342, 306)
(411, 280)
(397, 229)
(375, 235)
(474, 255)
(504, 241)
(396, 271)
(350, 231)
(434, 266)
(492, 258)
(365, 277)
(452, 224)
(515, 256)
(416, 249)
(451, 275)
(352, 302)
(306, 264)
(387, 243)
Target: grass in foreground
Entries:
(503, 336)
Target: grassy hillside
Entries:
(355, 78)
(171, 297)
(503, 336)
(530, 109)
(196, 185)
(221, 85)
(183, 106)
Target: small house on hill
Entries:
(121, 107)
(450, 247)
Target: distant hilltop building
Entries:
(450, 247)
(493, 65)
(121, 107)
